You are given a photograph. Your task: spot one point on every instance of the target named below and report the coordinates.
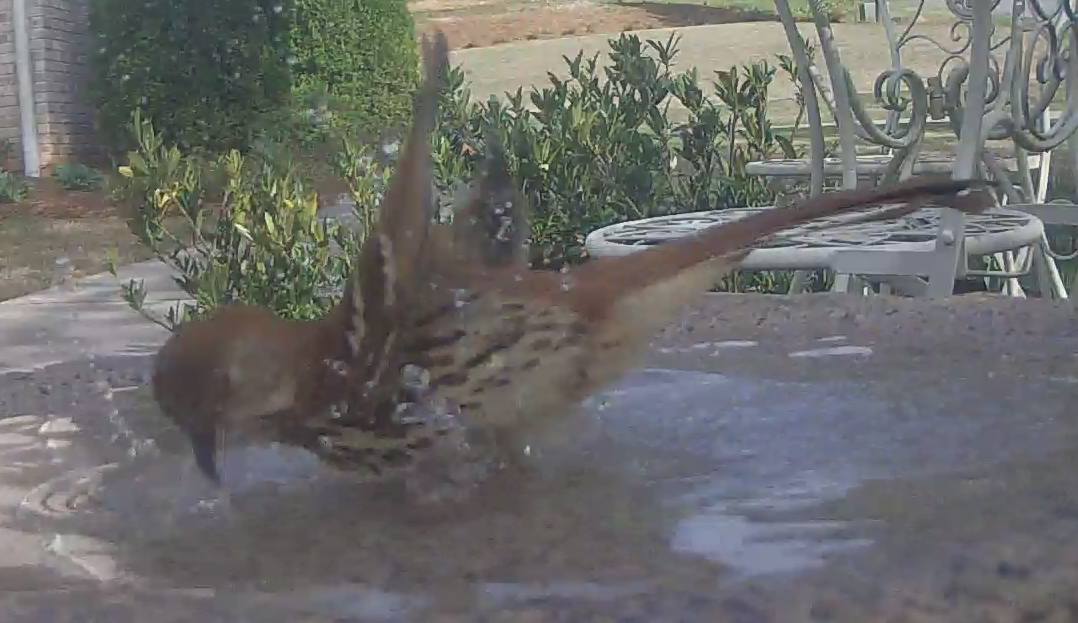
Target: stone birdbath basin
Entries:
(821, 457)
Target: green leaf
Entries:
(243, 231)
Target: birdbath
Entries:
(776, 456)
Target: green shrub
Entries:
(202, 70)
(215, 76)
(78, 176)
(12, 188)
(362, 53)
(234, 228)
(599, 146)
(593, 149)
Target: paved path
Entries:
(58, 325)
(50, 327)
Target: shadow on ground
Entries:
(675, 15)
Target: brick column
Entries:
(9, 91)
(59, 43)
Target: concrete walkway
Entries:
(58, 325)
(49, 327)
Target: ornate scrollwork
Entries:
(1037, 52)
(963, 9)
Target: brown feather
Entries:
(242, 365)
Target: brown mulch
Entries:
(47, 199)
(545, 21)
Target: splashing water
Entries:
(136, 446)
(566, 279)
(415, 379)
(450, 469)
(460, 297)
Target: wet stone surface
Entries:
(816, 458)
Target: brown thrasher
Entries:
(503, 347)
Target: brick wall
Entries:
(58, 45)
(58, 52)
(9, 90)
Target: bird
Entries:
(273, 379)
(455, 319)
(506, 348)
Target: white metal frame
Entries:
(985, 98)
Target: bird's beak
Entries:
(204, 446)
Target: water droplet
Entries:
(337, 366)
(414, 377)
(460, 297)
(62, 272)
(566, 279)
(496, 362)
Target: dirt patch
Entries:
(50, 200)
(492, 23)
(52, 223)
(32, 244)
(431, 6)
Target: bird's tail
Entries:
(666, 276)
(389, 263)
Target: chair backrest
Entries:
(984, 66)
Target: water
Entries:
(686, 479)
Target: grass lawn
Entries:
(496, 70)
